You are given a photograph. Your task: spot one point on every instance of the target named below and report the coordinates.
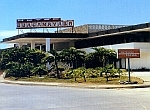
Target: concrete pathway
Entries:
(143, 75)
(1, 77)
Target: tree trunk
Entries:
(84, 78)
(76, 64)
(104, 63)
(101, 74)
(75, 79)
(106, 77)
(40, 74)
(58, 76)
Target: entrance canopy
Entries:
(133, 33)
(39, 38)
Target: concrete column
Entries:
(32, 45)
(40, 47)
(54, 46)
(47, 44)
(48, 49)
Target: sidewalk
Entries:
(143, 75)
(79, 85)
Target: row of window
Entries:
(115, 39)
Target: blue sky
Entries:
(82, 11)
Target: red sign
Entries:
(44, 23)
(128, 53)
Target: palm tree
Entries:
(48, 58)
(91, 61)
(56, 59)
(103, 54)
(72, 56)
(111, 56)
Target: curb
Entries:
(76, 85)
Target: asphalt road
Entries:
(21, 97)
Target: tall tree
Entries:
(103, 55)
(20, 61)
(72, 56)
(56, 59)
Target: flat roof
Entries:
(128, 29)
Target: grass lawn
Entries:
(99, 80)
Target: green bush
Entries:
(91, 73)
(68, 73)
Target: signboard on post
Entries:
(128, 53)
(44, 23)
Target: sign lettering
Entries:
(43, 23)
(128, 53)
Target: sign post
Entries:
(129, 53)
(129, 69)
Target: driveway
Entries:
(143, 75)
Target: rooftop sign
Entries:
(128, 53)
(44, 23)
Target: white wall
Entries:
(143, 61)
(144, 47)
(115, 47)
(135, 63)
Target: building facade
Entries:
(95, 35)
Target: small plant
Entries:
(100, 71)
